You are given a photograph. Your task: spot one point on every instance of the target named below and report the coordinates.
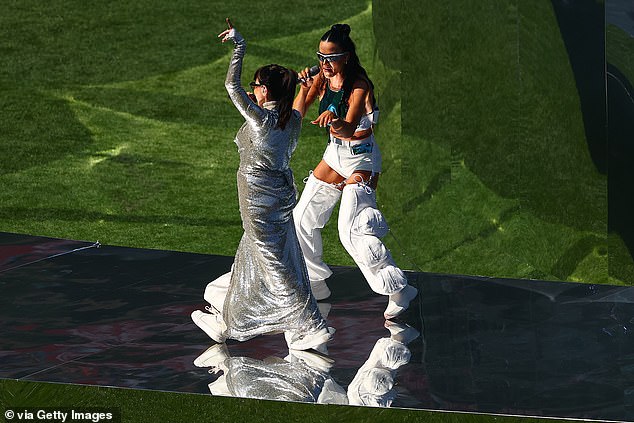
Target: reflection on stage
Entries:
(304, 376)
(114, 316)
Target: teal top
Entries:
(333, 98)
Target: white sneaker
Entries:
(320, 348)
(219, 387)
(213, 356)
(399, 302)
(315, 340)
(320, 289)
(212, 324)
(332, 393)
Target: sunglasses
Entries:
(254, 84)
(335, 57)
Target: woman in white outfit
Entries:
(349, 170)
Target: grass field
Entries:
(511, 189)
(152, 406)
(115, 126)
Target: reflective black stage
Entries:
(112, 316)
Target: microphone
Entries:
(311, 72)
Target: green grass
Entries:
(118, 128)
(493, 172)
(153, 406)
(115, 126)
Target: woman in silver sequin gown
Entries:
(268, 289)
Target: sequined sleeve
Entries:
(253, 113)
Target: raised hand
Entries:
(304, 76)
(227, 34)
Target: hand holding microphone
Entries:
(305, 77)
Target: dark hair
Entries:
(281, 84)
(340, 35)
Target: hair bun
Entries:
(342, 28)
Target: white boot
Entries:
(311, 214)
(320, 289)
(361, 225)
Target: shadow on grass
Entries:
(138, 159)
(572, 257)
(621, 151)
(62, 42)
(74, 215)
(486, 232)
(281, 57)
(36, 129)
(388, 98)
(437, 183)
(582, 26)
(162, 107)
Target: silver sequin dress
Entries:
(269, 289)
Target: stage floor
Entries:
(113, 316)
